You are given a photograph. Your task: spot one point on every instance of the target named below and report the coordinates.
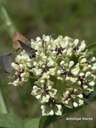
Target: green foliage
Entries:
(92, 46)
(10, 121)
(32, 123)
(3, 108)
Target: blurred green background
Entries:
(75, 18)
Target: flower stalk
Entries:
(7, 21)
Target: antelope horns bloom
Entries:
(65, 72)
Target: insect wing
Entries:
(7, 62)
(30, 51)
(1, 61)
(18, 36)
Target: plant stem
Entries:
(3, 108)
(7, 21)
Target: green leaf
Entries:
(7, 21)
(47, 120)
(91, 46)
(10, 121)
(32, 123)
(3, 108)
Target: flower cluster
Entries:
(65, 72)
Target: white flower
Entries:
(50, 110)
(94, 66)
(43, 92)
(80, 96)
(83, 60)
(38, 39)
(58, 112)
(72, 98)
(71, 64)
(59, 72)
(82, 47)
(75, 104)
(69, 52)
(75, 69)
(92, 83)
(15, 83)
(15, 66)
(76, 42)
(62, 63)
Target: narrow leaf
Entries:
(3, 108)
(91, 46)
(10, 121)
(32, 123)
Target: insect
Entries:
(5, 62)
(30, 51)
(19, 42)
(18, 36)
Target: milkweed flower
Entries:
(65, 72)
